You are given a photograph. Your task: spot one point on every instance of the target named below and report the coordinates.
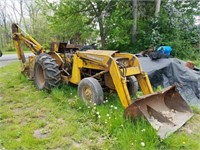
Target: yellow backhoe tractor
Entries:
(97, 70)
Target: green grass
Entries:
(33, 119)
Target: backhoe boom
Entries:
(30, 42)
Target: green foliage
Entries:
(176, 26)
(118, 26)
(110, 23)
(9, 47)
(70, 22)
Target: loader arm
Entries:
(120, 85)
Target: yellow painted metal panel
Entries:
(76, 74)
(132, 71)
(100, 52)
(120, 85)
(144, 82)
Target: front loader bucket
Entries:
(166, 111)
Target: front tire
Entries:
(132, 85)
(46, 72)
(90, 90)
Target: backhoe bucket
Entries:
(166, 111)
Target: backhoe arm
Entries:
(30, 42)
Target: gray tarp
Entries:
(166, 72)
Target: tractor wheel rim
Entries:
(41, 78)
(87, 94)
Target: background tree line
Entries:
(126, 25)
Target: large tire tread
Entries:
(50, 70)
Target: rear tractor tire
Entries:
(46, 72)
(132, 85)
(90, 91)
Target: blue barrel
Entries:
(165, 50)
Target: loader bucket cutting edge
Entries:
(166, 111)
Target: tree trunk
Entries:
(22, 18)
(98, 15)
(102, 35)
(14, 9)
(157, 7)
(135, 17)
(4, 21)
